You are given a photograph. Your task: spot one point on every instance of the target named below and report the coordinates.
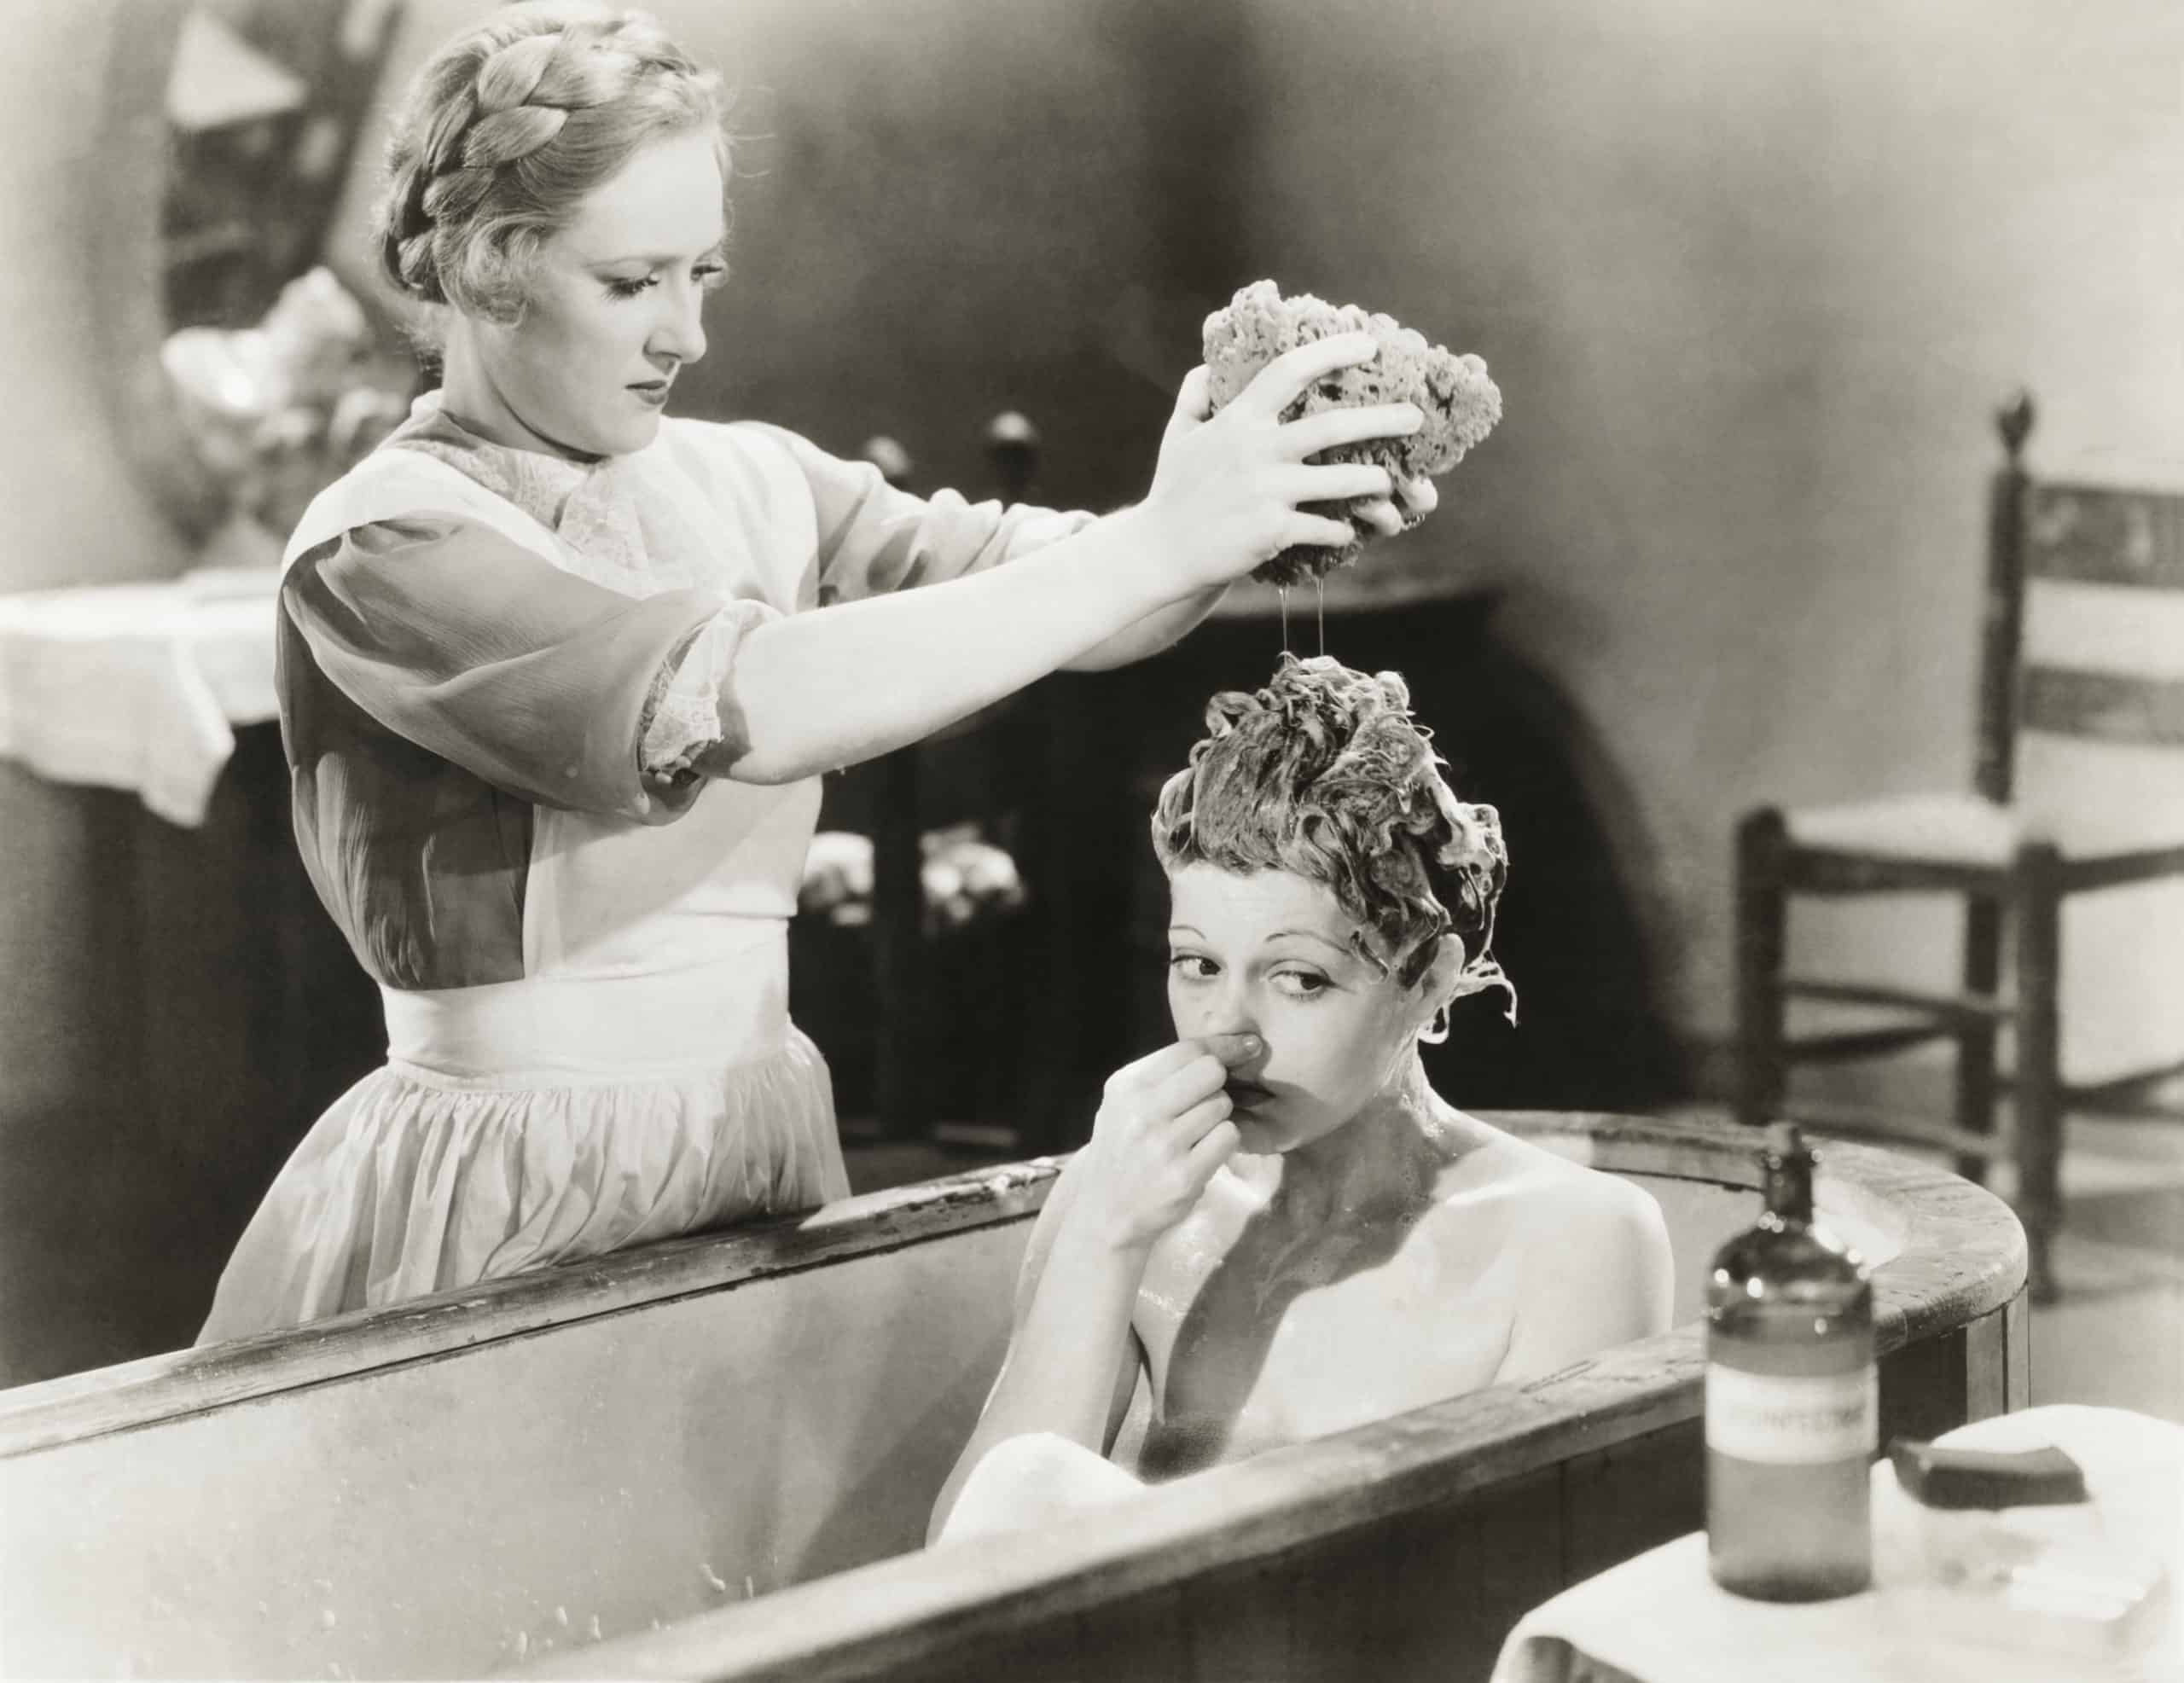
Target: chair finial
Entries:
(1009, 429)
(2013, 420)
(892, 460)
(1013, 446)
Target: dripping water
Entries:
(1320, 585)
(1282, 591)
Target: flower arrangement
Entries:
(276, 412)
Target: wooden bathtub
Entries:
(714, 1459)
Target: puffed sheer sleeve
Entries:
(874, 538)
(692, 724)
(463, 641)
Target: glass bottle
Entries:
(1793, 1404)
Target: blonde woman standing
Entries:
(559, 674)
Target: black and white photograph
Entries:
(1092, 841)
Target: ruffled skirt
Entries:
(428, 1177)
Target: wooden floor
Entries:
(2115, 1337)
(2117, 1334)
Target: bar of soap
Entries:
(1936, 1476)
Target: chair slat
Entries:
(2113, 706)
(1958, 1011)
(2114, 870)
(2105, 535)
(1809, 869)
(2105, 628)
(1852, 1044)
(1856, 1122)
(2132, 1095)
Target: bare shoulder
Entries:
(1509, 1165)
(1549, 1200)
(1585, 1253)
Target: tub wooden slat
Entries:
(1236, 1621)
(1149, 1639)
(2017, 1354)
(1422, 1596)
(1621, 1500)
(1987, 1366)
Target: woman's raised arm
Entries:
(816, 691)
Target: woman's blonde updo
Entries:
(505, 131)
(1325, 773)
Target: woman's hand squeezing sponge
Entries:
(1460, 403)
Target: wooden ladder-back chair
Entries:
(2076, 645)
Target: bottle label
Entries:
(1792, 1420)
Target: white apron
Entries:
(641, 1080)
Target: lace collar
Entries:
(590, 506)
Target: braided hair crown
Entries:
(1325, 773)
(507, 127)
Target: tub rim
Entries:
(126, 1396)
(1959, 1246)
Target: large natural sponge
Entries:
(1461, 404)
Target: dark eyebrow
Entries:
(1303, 934)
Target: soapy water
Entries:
(1319, 612)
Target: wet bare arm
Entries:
(1162, 1131)
(1073, 1358)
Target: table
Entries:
(176, 1005)
(139, 686)
(1658, 1618)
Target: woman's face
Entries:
(1270, 954)
(614, 300)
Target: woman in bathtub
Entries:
(1278, 1229)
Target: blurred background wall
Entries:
(1751, 279)
(77, 514)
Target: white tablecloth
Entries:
(1660, 1619)
(138, 687)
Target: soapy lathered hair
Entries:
(1325, 773)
